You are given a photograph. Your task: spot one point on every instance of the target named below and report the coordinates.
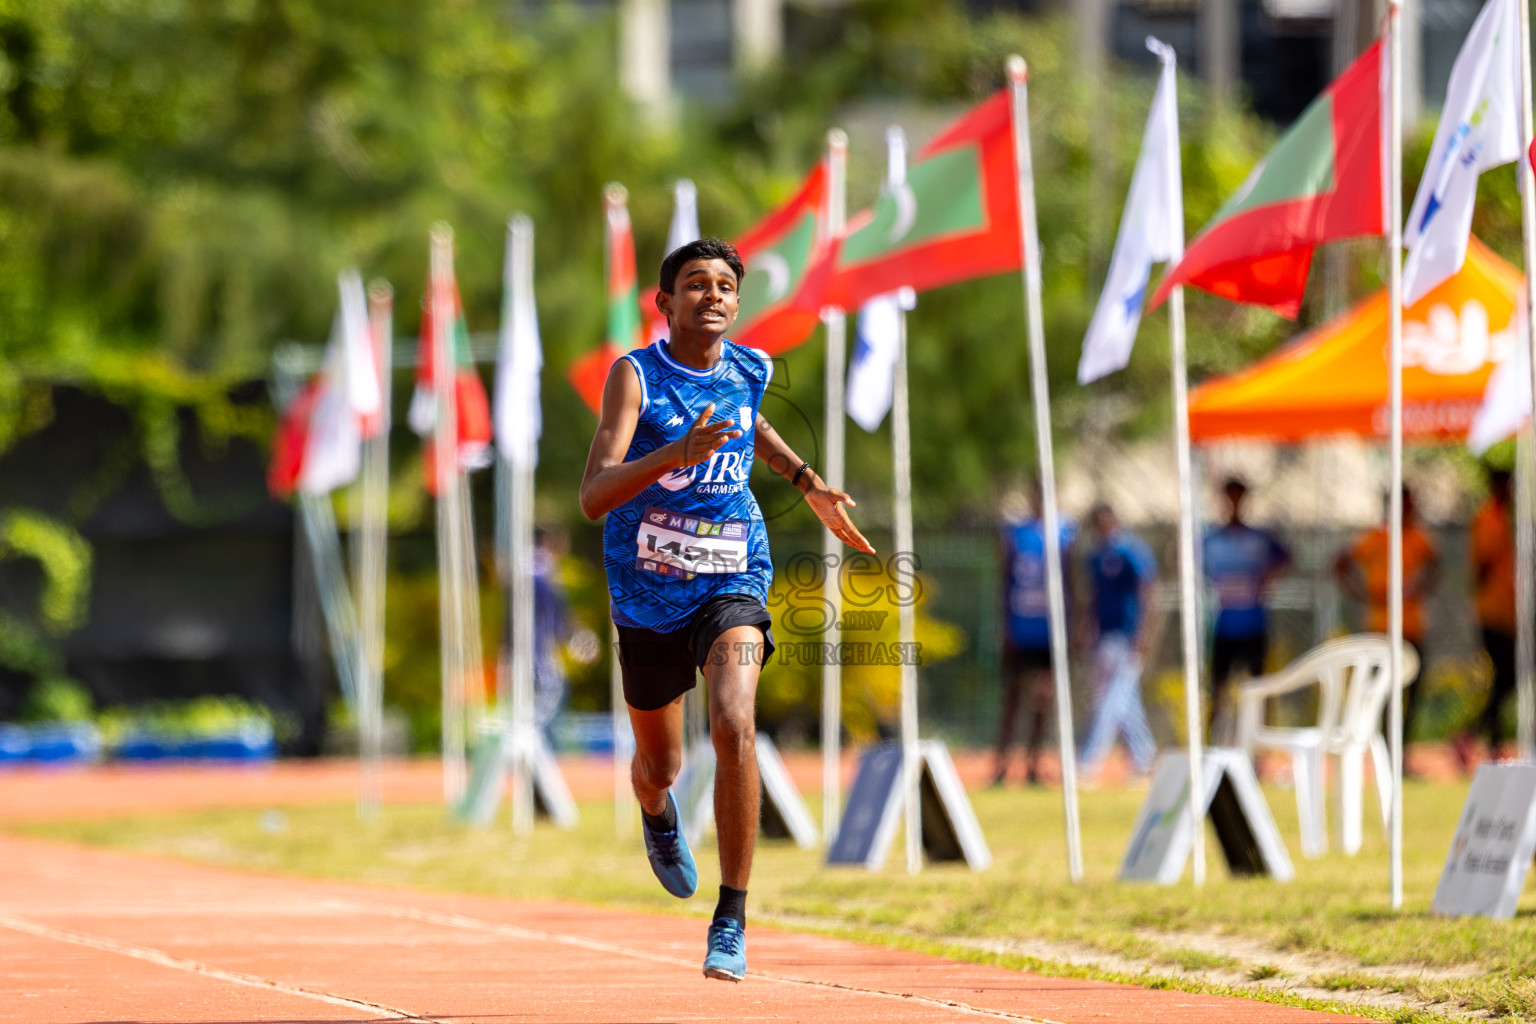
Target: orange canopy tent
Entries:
(1333, 379)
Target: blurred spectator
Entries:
(1240, 561)
(1118, 624)
(553, 625)
(1027, 633)
(1362, 571)
(1493, 567)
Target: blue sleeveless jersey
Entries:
(697, 532)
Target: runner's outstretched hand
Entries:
(704, 438)
(827, 503)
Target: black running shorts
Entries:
(1026, 659)
(658, 668)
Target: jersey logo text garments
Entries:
(726, 472)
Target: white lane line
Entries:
(517, 932)
(163, 959)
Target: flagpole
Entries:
(1189, 618)
(616, 195)
(1526, 699)
(1525, 592)
(518, 288)
(901, 457)
(1395, 515)
(445, 453)
(683, 229)
(469, 600)
(831, 548)
(1018, 85)
(623, 813)
(371, 578)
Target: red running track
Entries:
(91, 936)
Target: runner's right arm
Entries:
(609, 481)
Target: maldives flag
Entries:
(1322, 182)
(785, 255)
(473, 412)
(956, 217)
(625, 330)
(788, 270)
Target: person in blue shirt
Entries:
(1026, 638)
(686, 555)
(1118, 625)
(556, 631)
(1240, 562)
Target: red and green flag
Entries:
(788, 270)
(955, 218)
(1322, 182)
(625, 330)
(787, 273)
(471, 407)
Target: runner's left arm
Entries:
(826, 502)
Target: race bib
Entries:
(682, 547)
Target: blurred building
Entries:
(1276, 54)
(690, 49)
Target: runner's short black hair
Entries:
(700, 249)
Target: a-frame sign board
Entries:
(783, 816)
(491, 761)
(1491, 851)
(1235, 807)
(950, 829)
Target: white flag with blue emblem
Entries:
(1478, 131)
(1151, 231)
(876, 341)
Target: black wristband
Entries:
(795, 480)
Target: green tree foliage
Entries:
(180, 180)
(184, 179)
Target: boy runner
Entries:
(687, 560)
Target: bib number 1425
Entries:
(683, 546)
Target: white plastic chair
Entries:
(1351, 676)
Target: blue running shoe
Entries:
(727, 959)
(669, 857)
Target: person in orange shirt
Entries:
(1493, 566)
(1362, 572)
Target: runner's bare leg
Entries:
(732, 680)
(658, 754)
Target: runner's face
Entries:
(704, 299)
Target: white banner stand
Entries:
(1495, 839)
(876, 805)
(1163, 839)
(784, 814)
(491, 764)
(694, 791)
